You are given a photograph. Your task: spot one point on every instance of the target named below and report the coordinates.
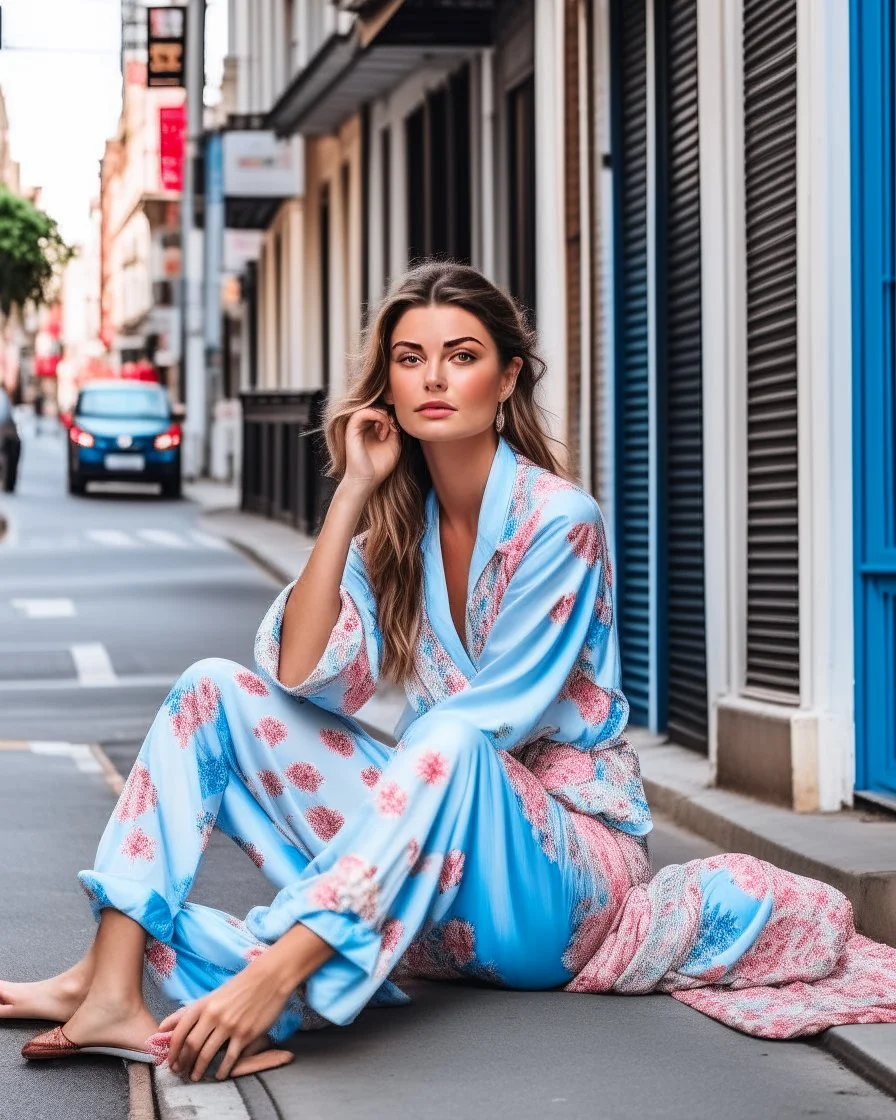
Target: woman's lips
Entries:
(435, 412)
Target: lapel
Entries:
(489, 533)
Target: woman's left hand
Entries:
(234, 1015)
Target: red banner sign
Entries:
(172, 130)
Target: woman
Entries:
(504, 838)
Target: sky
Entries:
(60, 76)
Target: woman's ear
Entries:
(510, 375)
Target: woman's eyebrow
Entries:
(445, 345)
(457, 341)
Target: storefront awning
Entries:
(388, 42)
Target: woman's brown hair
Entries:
(394, 517)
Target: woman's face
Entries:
(442, 353)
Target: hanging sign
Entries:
(166, 46)
(172, 128)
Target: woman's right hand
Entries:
(372, 448)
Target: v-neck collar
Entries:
(496, 500)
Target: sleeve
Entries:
(540, 636)
(345, 677)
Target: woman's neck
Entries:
(459, 471)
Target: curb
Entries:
(866, 1051)
(141, 1103)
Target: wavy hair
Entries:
(393, 519)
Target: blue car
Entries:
(124, 431)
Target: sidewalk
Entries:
(854, 851)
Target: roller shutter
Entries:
(631, 350)
(772, 655)
(680, 371)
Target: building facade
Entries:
(688, 199)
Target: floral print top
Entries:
(539, 668)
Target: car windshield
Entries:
(143, 404)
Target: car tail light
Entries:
(80, 437)
(168, 439)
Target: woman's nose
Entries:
(433, 376)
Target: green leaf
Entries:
(32, 253)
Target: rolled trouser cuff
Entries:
(338, 989)
(144, 905)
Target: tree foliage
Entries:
(32, 253)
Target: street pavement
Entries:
(103, 601)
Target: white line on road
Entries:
(71, 684)
(113, 538)
(93, 665)
(209, 541)
(164, 537)
(79, 753)
(44, 608)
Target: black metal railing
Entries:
(284, 457)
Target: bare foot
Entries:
(103, 1022)
(56, 999)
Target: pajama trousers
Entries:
(423, 855)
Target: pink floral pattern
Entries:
(370, 775)
(251, 683)
(562, 609)
(192, 708)
(433, 768)
(138, 796)
(452, 870)
(304, 776)
(339, 742)
(585, 541)
(350, 885)
(390, 799)
(139, 845)
(270, 783)
(160, 957)
(270, 730)
(324, 821)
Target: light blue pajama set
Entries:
(497, 841)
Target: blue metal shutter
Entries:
(629, 37)
(773, 662)
(873, 105)
(679, 374)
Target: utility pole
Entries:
(193, 373)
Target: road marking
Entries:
(164, 537)
(209, 541)
(80, 753)
(207, 1100)
(93, 665)
(112, 538)
(133, 681)
(45, 608)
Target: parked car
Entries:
(124, 431)
(10, 444)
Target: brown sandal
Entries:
(56, 1044)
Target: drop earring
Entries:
(499, 419)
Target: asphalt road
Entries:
(103, 601)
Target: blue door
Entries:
(873, 48)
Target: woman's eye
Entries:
(414, 358)
(465, 354)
